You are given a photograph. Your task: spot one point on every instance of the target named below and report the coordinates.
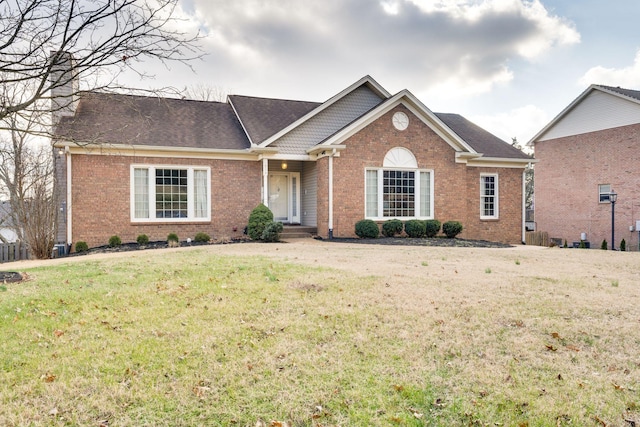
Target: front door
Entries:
(284, 194)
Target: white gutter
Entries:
(69, 202)
(331, 195)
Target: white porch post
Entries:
(331, 196)
(265, 181)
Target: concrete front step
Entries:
(297, 232)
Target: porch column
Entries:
(265, 181)
(69, 201)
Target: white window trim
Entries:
(152, 193)
(496, 197)
(604, 193)
(380, 217)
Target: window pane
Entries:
(604, 190)
(200, 197)
(371, 193)
(488, 193)
(171, 193)
(398, 193)
(425, 194)
(141, 193)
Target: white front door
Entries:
(284, 196)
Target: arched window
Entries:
(399, 189)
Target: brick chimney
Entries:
(64, 86)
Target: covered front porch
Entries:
(290, 190)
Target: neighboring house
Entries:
(590, 149)
(128, 165)
(6, 225)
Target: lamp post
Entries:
(613, 197)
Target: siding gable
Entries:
(597, 111)
(328, 121)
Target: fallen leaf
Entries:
(58, 333)
(555, 335)
(572, 348)
(48, 378)
(550, 347)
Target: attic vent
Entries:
(400, 158)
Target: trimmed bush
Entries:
(415, 228)
(82, 246)
(260, 217)
(451, 229)
(603, 245)
(272, 232)
(432, 227)
(114, 241)
(367, 229)
(172, 240)
(623, 245)
(142, 239)
(392, 227)
(201, 237)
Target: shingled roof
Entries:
(479, 139)
(263, 117)
(139, 120)
(626, 92)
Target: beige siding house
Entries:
(129, 165)
(590, 149)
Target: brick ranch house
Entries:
(128, 165)
(590, 149)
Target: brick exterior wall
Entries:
(566, 185)
(101, 198)
(456, 186)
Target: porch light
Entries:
(284, 165)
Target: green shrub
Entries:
(582, 245)
(623, 245)
(172, 237)
(142, 239)
(114, 241)
(272, 232)
(432, 227)
(82, 246)
(202, 237)
(451, 229)
(367, 229)
(415, 228)
(259, 218)
(603, 245)
(565, 243)
(392, 227)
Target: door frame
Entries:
(293, 193)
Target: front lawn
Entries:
(195, 338)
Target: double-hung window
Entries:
(170, 193)
(489, 196)
(603, 193)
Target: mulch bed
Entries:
(437, 241)
(10, 276)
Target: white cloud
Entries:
(521, 123)
(627, 77)
(463, 47)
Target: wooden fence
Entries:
(537, 238)
(13, 252)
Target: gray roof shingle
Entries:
(263, 117)
(626, 92)
(479, 139)
(152, 121)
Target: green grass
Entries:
(197, 339)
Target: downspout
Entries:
(69, 201)
(524, 204)
(331, 195)
(265, 181)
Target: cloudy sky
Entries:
(508, 65)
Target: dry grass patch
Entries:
(197, 338)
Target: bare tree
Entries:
(103, 37)
(204, 92)
(26, 174)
